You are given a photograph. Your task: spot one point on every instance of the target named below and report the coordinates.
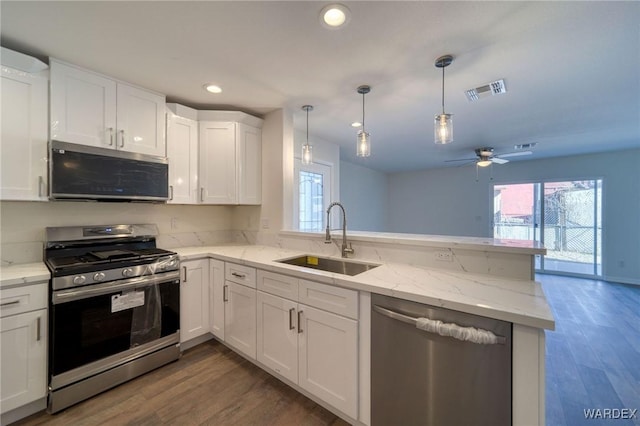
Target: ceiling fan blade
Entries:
(499, 160)
(460, 159)
(513, 154)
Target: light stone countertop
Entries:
(23, 274)
(518, 301)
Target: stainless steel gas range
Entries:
(114, 308)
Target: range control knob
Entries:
(79, 279)
(98, 276)
(127, 272)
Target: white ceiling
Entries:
(572, 69)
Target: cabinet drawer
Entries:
(279, 285)
(27, 298)
(338, 300)
(240, 274)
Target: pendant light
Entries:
(307, 149)
(363, 140)
(443, 126)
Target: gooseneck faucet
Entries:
(345, 249)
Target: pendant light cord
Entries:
(307, 125)
(443, 90)
(363, 112)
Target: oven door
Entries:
(101, 326)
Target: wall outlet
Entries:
(444, 256)
(265, 223)
(174, 223)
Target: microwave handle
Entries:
(72, 294)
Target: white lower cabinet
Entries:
(23, 346)
(240, 318)
(194, 299)
(314, 348)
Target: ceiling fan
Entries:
(485, 157)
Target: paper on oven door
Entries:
(121, 302)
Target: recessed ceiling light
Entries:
(212, 88)
(335, 15)
(356, 124)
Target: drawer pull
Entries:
(291, 311)
(237, 275)
(299, 322)
(13, 302)
(225, 295)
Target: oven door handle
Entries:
(63, 296)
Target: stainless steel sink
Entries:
(346, 267)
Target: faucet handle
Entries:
(347, 250)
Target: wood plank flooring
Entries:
(209, 385)
(593, 356)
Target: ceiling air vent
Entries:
(489, 89)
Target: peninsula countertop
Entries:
(518, 301)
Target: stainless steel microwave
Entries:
(90, 173)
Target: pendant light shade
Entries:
(443, 123)
(363, 139)
(307, 149)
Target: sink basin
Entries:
(346, 267)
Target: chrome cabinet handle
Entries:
(13, 302)
(110, 129)
(170, 192)
(40, 185)
(225, 295)
(121, 138)
(184, 268)
(38, 329)
(291, 311)
(299, 322)
(237, 275)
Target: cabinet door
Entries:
(23, 359)
(278, 335)
(140, 121)
(217, 297)
(83, 107)
(24, 136)
(194, 299)
(328, 357)
(249, 171)
(182, 150)
(217, 163)
(240, 318)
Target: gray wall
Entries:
(365, 197)
(450, 201)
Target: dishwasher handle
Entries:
(455, 331)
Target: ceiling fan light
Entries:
(484, 163)
(443, 129)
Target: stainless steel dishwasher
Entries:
(420, 377)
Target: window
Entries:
(312, 195)
(564, 216)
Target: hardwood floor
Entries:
(593, 356)
(209, 385)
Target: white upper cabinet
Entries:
(217, 163)
(24, 135)
(91, 109)
(249, 164)
(230, 158)
(182, 151)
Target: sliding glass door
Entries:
(564, 216)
